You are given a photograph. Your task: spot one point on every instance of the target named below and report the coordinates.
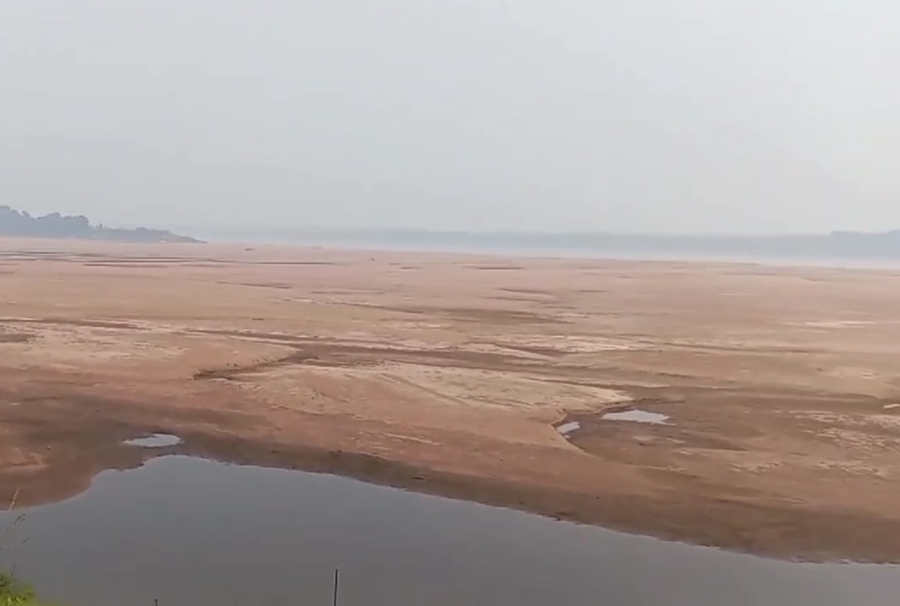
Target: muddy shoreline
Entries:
(849, 537)
(771, 531)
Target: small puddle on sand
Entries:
(157, 440)
(638, 416)
(567, 428)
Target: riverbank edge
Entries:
(764, 530)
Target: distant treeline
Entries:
(55, 225)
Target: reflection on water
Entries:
(637, 416)
(157, 440)
(188, 531)
(567, 428)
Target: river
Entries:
(194, 532)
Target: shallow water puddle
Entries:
(157, 440)
(638, 416)
(567, 428)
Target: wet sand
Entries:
(450, 374)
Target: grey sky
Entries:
(646, 115)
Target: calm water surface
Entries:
(198, 533)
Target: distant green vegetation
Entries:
(21, 224)
(13, 593)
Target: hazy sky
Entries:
(639, 115)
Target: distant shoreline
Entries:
(14, 223)
(400, 245)
(734, 249)
(887, 264)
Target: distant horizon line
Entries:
(325, 230)
(238, 229)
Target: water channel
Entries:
(193, 532)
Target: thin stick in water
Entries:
(336, 580)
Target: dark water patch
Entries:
(189, 531)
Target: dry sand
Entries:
(449, 373)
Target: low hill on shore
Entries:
(22, 224)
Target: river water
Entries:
(193, 532)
